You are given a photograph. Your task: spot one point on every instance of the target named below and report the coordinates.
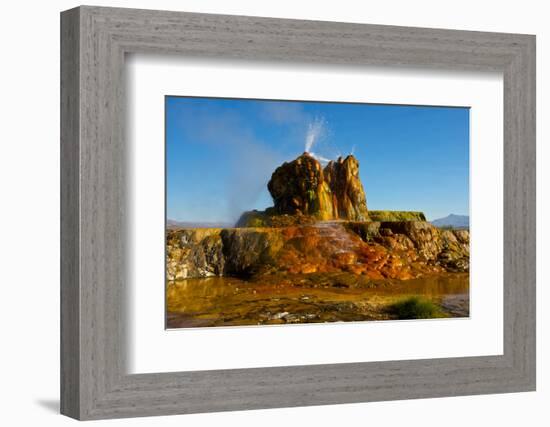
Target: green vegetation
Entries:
(368, 231)
(396, 216)
(415, 308)
(256, 222)
(269, 218)
(255, 218)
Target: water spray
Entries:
(315, 130)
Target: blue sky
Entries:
(220, 153)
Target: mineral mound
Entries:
(305, 191)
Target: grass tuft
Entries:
(415, 308)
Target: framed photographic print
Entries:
(345, 212)
(312, 251)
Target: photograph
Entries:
(289, 212)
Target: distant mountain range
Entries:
(452, 220)
(170, 223)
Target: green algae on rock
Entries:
(397, 216)
(299, 188)
(303, 187)
(348, 196)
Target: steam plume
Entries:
(315, 131)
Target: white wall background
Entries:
(29, 214)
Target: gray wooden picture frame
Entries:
(94, 382)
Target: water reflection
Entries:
(224, 301)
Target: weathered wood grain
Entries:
(70, 220)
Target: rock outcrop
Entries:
(348, 196)
(194, 252)
(303, 187)
(304, 193)
(299, 188)
(377, 250)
